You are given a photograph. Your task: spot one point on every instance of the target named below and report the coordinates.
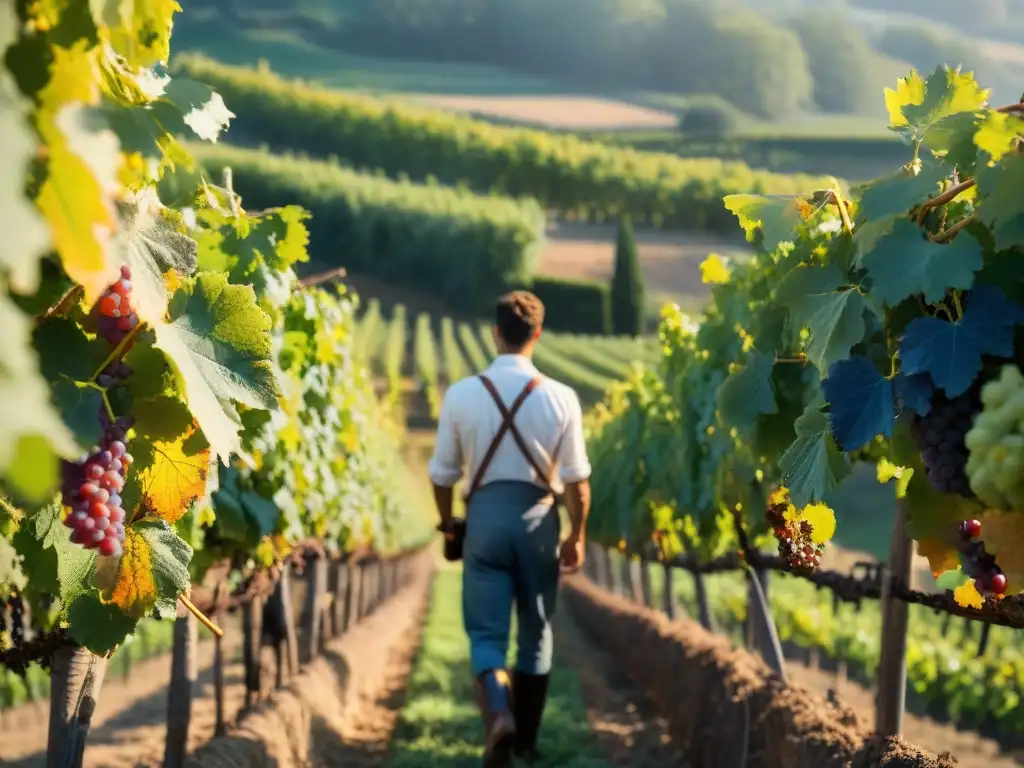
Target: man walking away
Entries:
(519, 436)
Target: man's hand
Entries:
(571, 554)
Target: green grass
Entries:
(440, 724)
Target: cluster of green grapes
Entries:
(995, 465)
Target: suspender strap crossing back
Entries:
(508, 415)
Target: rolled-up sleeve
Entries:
(445, 468)
(574, 466)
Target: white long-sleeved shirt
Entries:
(551, 416)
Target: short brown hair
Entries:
(519, 315)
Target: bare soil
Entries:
(558, 111)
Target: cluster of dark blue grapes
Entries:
(92, 485)
(14, 606)
(979, 565)
(940, 438)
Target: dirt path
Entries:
(626, 728)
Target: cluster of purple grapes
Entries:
(16, 606)
(92, 485)
(980, 565)
(940, 439)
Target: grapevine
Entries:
(173, 397)
(880, 324)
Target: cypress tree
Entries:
(627, 290)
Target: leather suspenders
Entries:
(508, 424)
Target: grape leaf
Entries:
(163, 417)
(66, 352)
(51, 561)
(916, 104)
(777, 216)
(942, 558)
(141, 32)
(26, 236)
(150, 246)
(999, 194)
(968, 596)
(997, 134)
(203, 109)
(953, 136)
(11, 575)
(1004, 536)
(150, 374)
(861, 403)
(99, 626)
(25, 407)
(151, 572)
(80, 408)
(747, 393)
(904, 262)
(812, 466)
(951, 353)
(915, 392)
(897, 194)
(831, 309)
(173, 479)
(218, 341)
(262, 512)
(76, 195)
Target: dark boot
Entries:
(493, 696)
(529, 695)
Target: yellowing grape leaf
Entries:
(713, 270)
(76, 195)
(776, 215)
(997, 135)
(26, 236)
(917, 105)
(139, 30)
(822, 520)
(217, 341)
(1003, 533)
(968, 596)
(941, 555)
(885, 471)
(151, 572)
(174, 479)
(909, 90)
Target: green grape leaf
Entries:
(777, 216)
(79, 407)
(66, 352)
(1000, 206)
(99, 626)
(150, 245)
(203, 110)
(904, 262)
(218, 342)
(26, 236)
(150, 373)
(748, 393)
(51, 561)
(150, 574)
(898, 193)
(861, 402)
(916, 104)
(25, 408)
(950, 580)
(953, 136)
(262, 512)
(829, 307)
(951, 353)
(11, 575)
(812, 466)
(162, 418)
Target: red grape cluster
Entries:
(117, 318)
(92, 486)
(794, 536)
(978, 564)
(940, 439)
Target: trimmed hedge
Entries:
(448, 242)
(574, 306)
(578, 178)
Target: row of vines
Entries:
(443, 351)
(878, 326)
(173, 398)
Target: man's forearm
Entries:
(443, 497)
(577, 504)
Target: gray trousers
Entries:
(510, 559)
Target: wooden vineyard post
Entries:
(341, 597)
(764, 630)
(179, 697)
(645, 584)
(668, 595)
(355, 595)
(76, 680)
(313, 610)
(221, 726)
(700, 591)
(252, 633)
(755, 632)
(614, 584)
(284, 594)
(892, 666)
